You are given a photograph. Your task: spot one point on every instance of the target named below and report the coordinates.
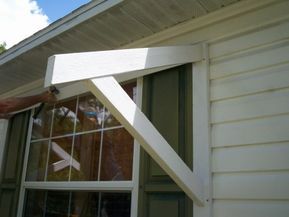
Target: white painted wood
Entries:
(140, 74)
(254, 106)
(250, 62)
(269, 78)
(201, 131)
(252, 39)
(81, 66)
(99, 185)
(136, 156)
(265, 157)
(268, 185)
(110, 93)
(252, 208)
(70, 90)
(265, 130)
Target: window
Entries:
(80, 161)
(126, 64)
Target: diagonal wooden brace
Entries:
(111, 94)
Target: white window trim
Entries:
(201, 131)
(129, 186)
(99, 67)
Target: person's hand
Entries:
(49, 97)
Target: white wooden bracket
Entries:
(111, 94)
(122, 64)
(102, 72)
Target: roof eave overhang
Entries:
(73, 19)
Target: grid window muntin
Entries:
(102, 186)
(101, 117)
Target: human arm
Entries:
(13, 104)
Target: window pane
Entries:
(57, 203)
(115, 205)
(41, 203)
(117, 155)
(42, 124)
(37, 161)
(59, 159)
(110, 120)
(35, 203)
(84, 204)
(83, 155)
(90, 113)
(64, 116)
(86, 157)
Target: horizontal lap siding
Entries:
(251, 158)
(269, 78)
(249, 80)
(254, 186)
(251, 208)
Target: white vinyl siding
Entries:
(249, 107)
(249, 79)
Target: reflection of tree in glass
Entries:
(117, 155)
(90, 113)
(86, 152)
(64, 116)
(42, 124)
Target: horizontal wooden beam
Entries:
(127, 63)
(111, 94)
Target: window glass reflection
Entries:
(35, 203)
(42, 123)
(110, 120)
(36, 167)
(86, 153)
(84, 204)
(90, 113)
(57, 204)
(41, 203)
(115, 205)
(59, 159)
(64, 116)
(117, 155)
(83, 142)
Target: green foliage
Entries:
(2, 47)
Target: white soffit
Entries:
(122, 64)
(101, 70)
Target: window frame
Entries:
(108, 186)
